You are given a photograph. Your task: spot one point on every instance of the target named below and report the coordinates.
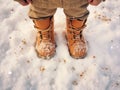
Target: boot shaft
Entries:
(76, 42)
(42, 24)
(45, 43)
(75, 29)
(75, 23)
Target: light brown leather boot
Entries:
(45, 43)
(76, 43)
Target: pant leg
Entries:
(76, 9)
(42, 8)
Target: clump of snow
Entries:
(79, 46)
(21, 69)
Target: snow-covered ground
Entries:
(21, 69)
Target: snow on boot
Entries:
(45, 43)
(76, 43)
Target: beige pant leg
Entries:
(76, 9)
(42, 8)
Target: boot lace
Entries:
(77, 34)
(46, 34)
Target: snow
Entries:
(21, 69)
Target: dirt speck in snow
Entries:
(64, 61)
(82, 74)
(94, 56)
(42, 68)
(28, 61)
(73, 68)
(75, 82)
(24, 42)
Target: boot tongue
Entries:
(45, 35)
(76, 34)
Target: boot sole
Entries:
(46, 58)
(82, 57)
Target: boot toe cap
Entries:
(45, 50)
(78, 51)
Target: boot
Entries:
(76, 42)
(45, 43)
